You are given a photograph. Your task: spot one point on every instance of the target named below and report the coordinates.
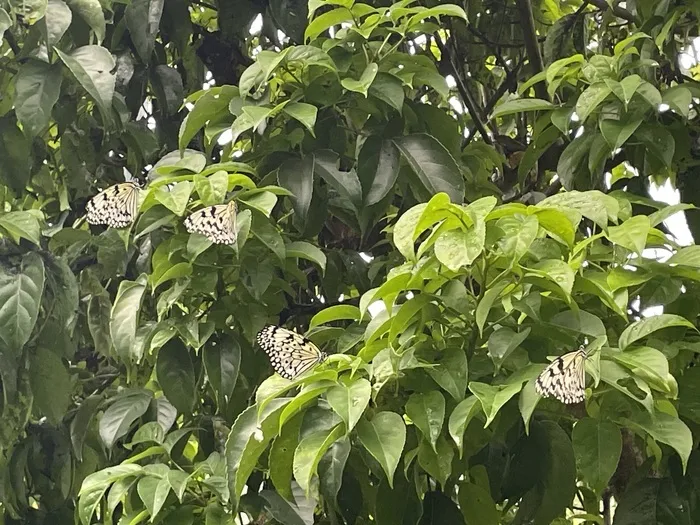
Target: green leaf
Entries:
(92, 67)
(631, 234)
(688, 256)
(176, 198)
(213, 188)
(427, 411)
(222, 362)
(95, 486)
(436, 460)
(593, 205)
(91, 12)
(597, 447)
(365, 81)
(520, 105)
(51, 384)
(641, 329)
(249, 437)
(437, 170)
(658, 141)
(440, 509)
(142, 20)
(378, 169)
(459, 420)
(304, 113)
(153, 492)
(310, 451)
(80, 423)
(37, 87)
(124, 317)
(477, 505)
(616, 132)
(350, 401)
(503, 342)
(207, 107)
(299, 511)
(451, 372)
(335, 313)
(175, 373)
(665, 428)
(298, 177)
(20, 299)
(345, 183)
(21, 225)
(389, 89)
(56, 21)
(493, 397)
(457, 248)
(282, 457)
(384, 437)
(269, 235)
(590, 99)
(325, 21)
(557, 271)
(127, 407)
(572, 165)
(679, 98)
(308, 251)
(331, 468)
(484, 306)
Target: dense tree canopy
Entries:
(441, 196)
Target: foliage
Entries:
(442, 201)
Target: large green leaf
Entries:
(124, 318)
(427, 411)
(433, 164)
(38, 85)
(597, 447)
(176, 375)
(51, 384)
(91, 12)
(641, 329)
(384, 437)
(298, 177)
(222, 362)
(331, 468)
(20, 298)
(249, 437)
(143, 19)
(121, 414)
(451, 372)
(667, 429)
(378, 169)
(310, 451)
(93, 67)
(460, 417)
(350, 400)
(56, 21)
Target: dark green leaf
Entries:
(91, 12)
(176, 375)
(427, 411)
(38, 85)
(438, 509)
(597, 446)
(143, 19)
(51, 384)
(121, 414)
(222, 361)
(384, 437)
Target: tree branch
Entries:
(532, 45)
(464, 92)
(618, 11)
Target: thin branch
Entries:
(464, 92)
(618, 11)
(532, 45)
(12, 41)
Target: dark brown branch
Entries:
(12, 41)
(532, 45)
(464, 92)
(618, 11)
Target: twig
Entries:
(467, 97)
(532, 45)
(12, 41)
(618, 11)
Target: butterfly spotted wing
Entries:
(565, 378)
(216, 223)
(290, 353)
(115, 206)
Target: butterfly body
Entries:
(290, 354)
(565, 378)
(217, 223)
(115, 206)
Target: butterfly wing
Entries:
(290, 353)
(564, 379)
(216, 223)
(115, 206)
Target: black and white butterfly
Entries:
(290, 353)
(565, 378)
(217, 223)
(115, 206)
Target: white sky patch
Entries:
(225, 137)
(376, 308)
(256, 25)
(690, 55)
(456, 104)
(366, 257)
(451, 82)
(676, 224)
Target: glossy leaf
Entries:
(384, 437)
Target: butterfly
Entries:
(290, 353)
(216, 223)
(115, 206)
(565, 378)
